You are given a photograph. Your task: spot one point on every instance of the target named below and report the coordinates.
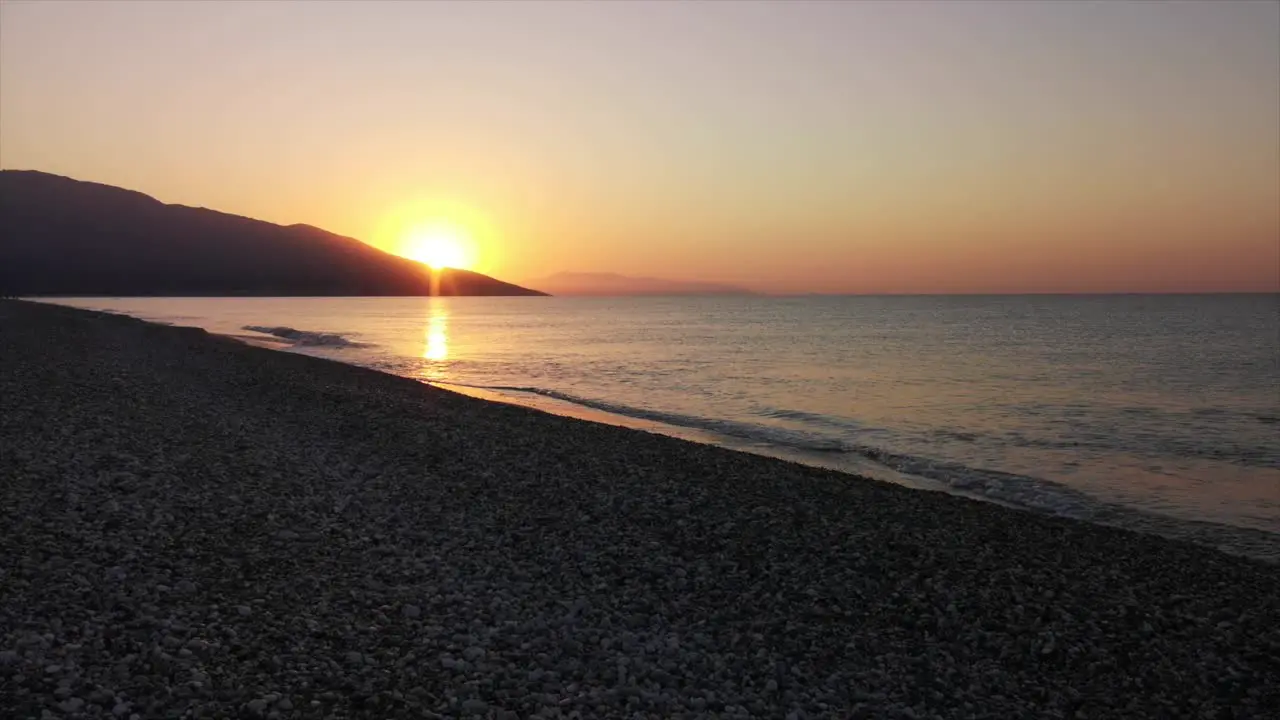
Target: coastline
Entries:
(1068, 471)
(196, 523)
(1247, 542)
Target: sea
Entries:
(1160, 413)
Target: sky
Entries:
(856, 146)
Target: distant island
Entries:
(604, 284)
(60, 236)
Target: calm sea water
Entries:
(1119, 409)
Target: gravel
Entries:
(190, 527)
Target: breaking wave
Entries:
(794, 439)
(304, 338)
(1007, 488)
(849, 454)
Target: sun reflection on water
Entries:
(437, 338)
(435, 348)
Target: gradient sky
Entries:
(787, 146)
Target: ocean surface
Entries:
(1155, 412)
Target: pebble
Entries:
(551, 567)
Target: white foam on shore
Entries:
(306, 338)
(1005, 489)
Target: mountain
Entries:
(60, 236)
(570, 283)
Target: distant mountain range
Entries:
(60, 236)
(603, 284)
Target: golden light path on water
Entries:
(435, 347)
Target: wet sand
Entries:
(193, 525)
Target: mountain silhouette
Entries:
(606, 284)
(60, 236)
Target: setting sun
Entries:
(438, 246)
(438, 231)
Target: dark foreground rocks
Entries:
(190, 527)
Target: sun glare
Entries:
(438, 246)
(437, 232)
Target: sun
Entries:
(439, 246)
(439, 232)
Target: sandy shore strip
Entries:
(193, 527)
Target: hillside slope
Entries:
(60, 236)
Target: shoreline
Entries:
(1242, 540)
(194, 523)
(1029, 488)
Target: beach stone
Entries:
(478, 560)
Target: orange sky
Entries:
(788, 147)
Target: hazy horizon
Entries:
(790, 148)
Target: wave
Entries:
(1219, 447)
(810, 418)
(1006, 488)
(304, 338)
(794, 439)
(1024, 491)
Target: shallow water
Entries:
(1084, 406)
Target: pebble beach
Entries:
(194, 527)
